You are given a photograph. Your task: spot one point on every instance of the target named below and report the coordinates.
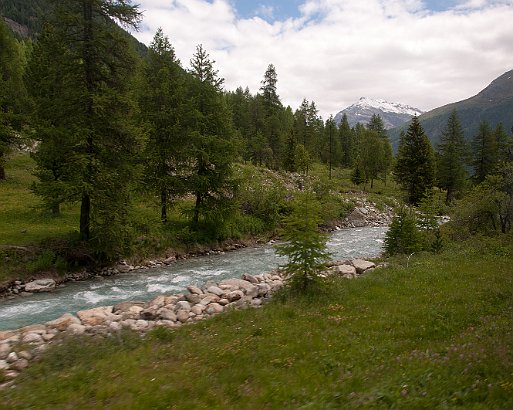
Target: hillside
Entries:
(493, 104)
(24, 18)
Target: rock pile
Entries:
(19, 347)
(367, 214)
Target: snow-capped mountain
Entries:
(392, 114)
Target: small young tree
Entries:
(403, 236)
(305, 246)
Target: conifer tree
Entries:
(347, 142)
(88, 107)
(211, 146)
(12, 93)
(415, 165)
(484, 152)
(386, 153)
(452, 153)
(164, 113)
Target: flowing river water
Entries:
(145, 284)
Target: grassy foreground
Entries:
(436, 332)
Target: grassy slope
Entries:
(436, 334)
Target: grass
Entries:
(433, 332)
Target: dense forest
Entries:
(107, 124)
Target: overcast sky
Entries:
(421, 53)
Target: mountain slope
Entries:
(392, 114)
(493, 104)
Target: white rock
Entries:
(3, 365)
(345, 270)
(198, 309)
(223, 302)
(183, 305)
(362, 265)
(250, 278)
(235, 295)
(48, 336)
(63, 322)
(167, 314)
(95, 316)
(215, 290)
(20, 364)
(256, 302)
(115, 326)
(5, 349)
(263, 289)
(40, 285)
(12, 357)
(194, 290)
(182, 315)
(32, 338)
(214, 308)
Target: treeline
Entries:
(108, 123)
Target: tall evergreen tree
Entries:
(12, 93)
(164, 112)
(211, 146)
(386, 155)
(92, 64)
(347, 142)
(484, 152)
(452, 154)
(415, 164)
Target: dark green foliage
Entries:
(347, 143)
(211, 147)
(80, 77)
(358, 176)
(415, 164)
(12, 94)
(305, 246)
(484, 150)
(403, 236)
(164, 113)
(452, 157)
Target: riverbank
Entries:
(19, 346)
(429, 332)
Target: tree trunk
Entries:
(163, 204)
(85, 217)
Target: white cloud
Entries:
(340, 50)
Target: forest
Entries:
(109, 128)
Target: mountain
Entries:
(392, 114)
(493, 104)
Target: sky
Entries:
(424, 53)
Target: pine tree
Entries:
(403, 236)
(12, 94)
(164, 113)
(89, 106)
(415, 165)
(305, 246)
(211, 146)
(386, 154)
(484, 152)
(371, 155)
(452, 153)
(347, 142)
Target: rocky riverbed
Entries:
(19, 347)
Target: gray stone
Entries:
(198, 309)
(63, 322)
(362, 265)
(167, 314)
(4, 365)
(39, 329)
(194, 290)
(223, 302)
(158, 302)
(193, 298)
(235, 295)
(12, 357)
(214, 308)
(263, 289)
(5, 349)
(115, 326)
(215, 290)
(20, 364)
(149, 313)
(345, 270)
(211, 298)
(182, 315)
(183, 305)
(95, 316)
(40, 285)
(250, 278)
(32, 338)
(48, 336)
(256, 302)
(125, 307)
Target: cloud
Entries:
(264, 11)
(340, 50)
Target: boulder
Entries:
(95, 316)
(235, 295)
(356, 218)
(345, 270)
(183, 305)
(12, 357)
(76, 329)
(194, 290)
(149, 313)
(362, 265)
(263, 289)
(193, 298)
(182, 315)
(20, 364)
(214, 308)
(198, 309)
(6, 334)
(63, 322)
(158, 302)
(167, 314)
(250, 278)
(39, 329)
(3, 365)
(215, 290)
(125, 307)
(25, 355)
(40, 285)
(5, 349)
(32, 338)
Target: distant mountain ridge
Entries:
(493, 104)
(392, 114)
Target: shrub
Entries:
(404, 236)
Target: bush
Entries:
(404, 236)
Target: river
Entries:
(145, 284)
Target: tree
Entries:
(347, 142)
(12, 94)
(305, 246)
(403, 236)
(211, 146)
(164, 113)
(371, 155)
(386, 154)
(484, 152)
(415, 164)
(358, 176)
(89, 105)
(452, 154)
